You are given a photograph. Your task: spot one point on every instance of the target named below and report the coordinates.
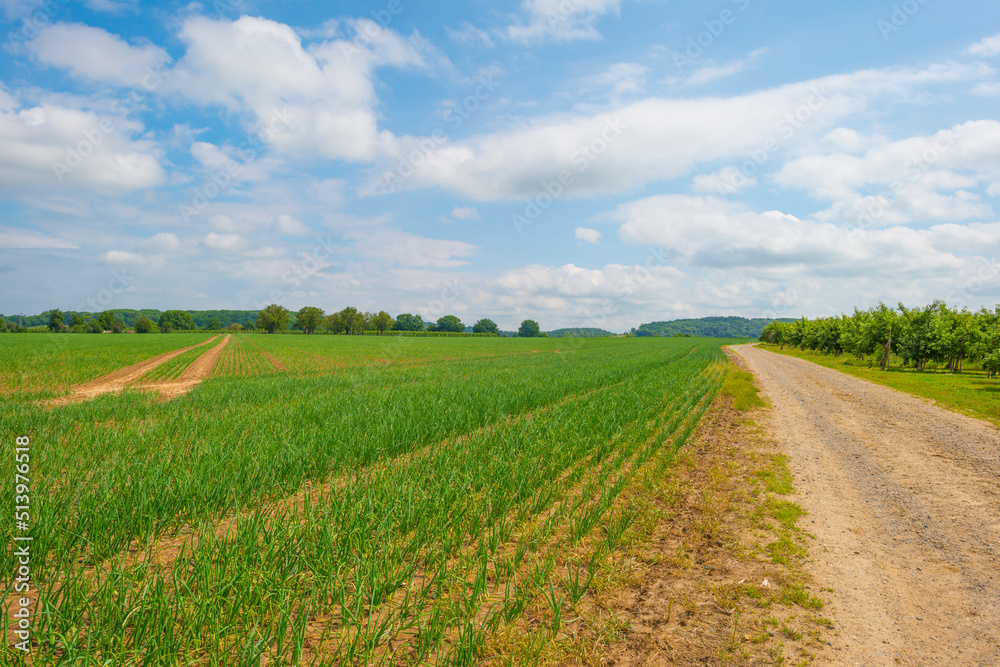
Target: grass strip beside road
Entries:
(969, 392)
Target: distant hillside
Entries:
(580, 333)
(710, 327)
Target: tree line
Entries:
(272, 319)
(934, 333)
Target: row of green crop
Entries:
(172, 369)
(124, 467)
(433, 551)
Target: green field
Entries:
(381, 500)
(969, 392)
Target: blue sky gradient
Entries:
(578, 162)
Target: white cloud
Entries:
(711, 72)
(469, 34)
(560, 20)
(396, 248)
(918, 178)
(587, 234)
(95, 54)
(123, 258)
(286, 224)
(318, 101)
(14, 237)
(658, 139)
(989, 46)
(728, 180)
(464, 213)
(989, 89)
(52, 147)
(225, 243)
(164, 242)
(620, 79)
(711, 232)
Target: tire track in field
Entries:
(200, 368)
(116, 381)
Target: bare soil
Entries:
(903, 498)
(128, 377)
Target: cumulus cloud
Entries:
(286, 224)
(989, 46)
(918, 178)
(225, 243)
(314, 102)
(586, 234)
(728, 180)
(97, 55)
(51, 146)
(715, 233)
(164, 242)
(658, 139)
(123, 258)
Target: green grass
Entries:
(454, 465)
(968, 392)
(740, 385)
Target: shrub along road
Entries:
(903, 500)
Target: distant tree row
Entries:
(931, 334)
(351, 321)
(272, 319)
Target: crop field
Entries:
(336, 500)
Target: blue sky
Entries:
(579, 162)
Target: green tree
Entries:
(274, 318)
(335, 324)
(145, 325)
(486, 326)
(213, 324)
(309, 318)
(528, 329)
(3, 326)
(76, 320)
(383, 321)
(354, 320)
(176, 320)
(56, 322)
(450, 324)
(106, 320)
(408, 322)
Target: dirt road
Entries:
(904, 500)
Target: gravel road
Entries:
(904, 500)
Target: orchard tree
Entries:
(274, 318)
(309, 318)
(529, 329)
(408, 322)
(486, 326)
(450, 324)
